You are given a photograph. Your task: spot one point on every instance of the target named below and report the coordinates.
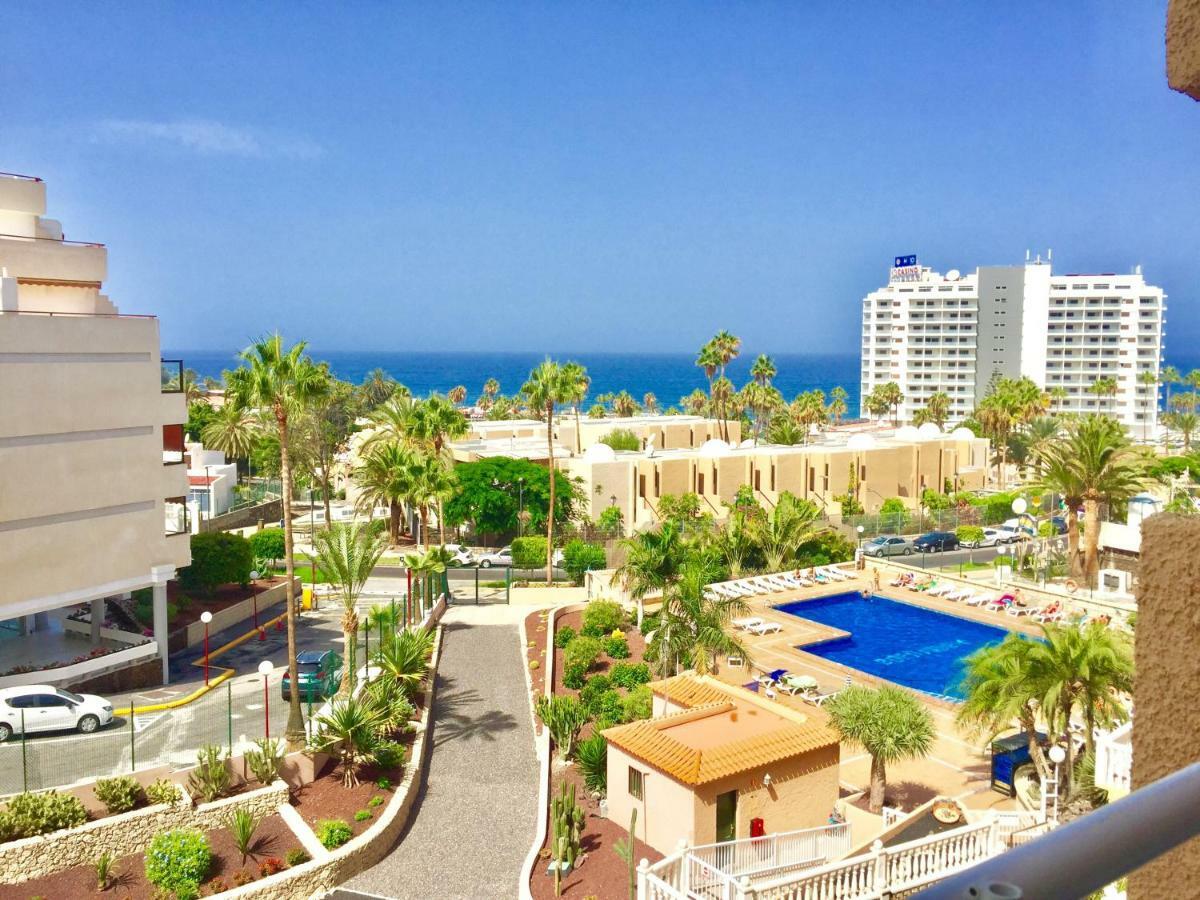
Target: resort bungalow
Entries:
(717, 763)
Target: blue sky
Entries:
(578, 177)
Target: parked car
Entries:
(45, 708)
(318, 674)
(1059, 524)
(462, 555)
(936, 541)
(1006, 535)
(1019, 527)
(991, 537)
(502, 557)
(888, 545)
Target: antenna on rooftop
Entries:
(1026, 255)
(1049, 254)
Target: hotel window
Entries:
(637, 784)
(176, 515)
(172, 445)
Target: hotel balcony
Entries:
(52, 261)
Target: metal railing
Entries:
(38, 237)
(171, 376)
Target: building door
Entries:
(727, 816)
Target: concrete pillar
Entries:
(1168, 718)
(97, 620)
(160, 628)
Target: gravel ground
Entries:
(476, 814)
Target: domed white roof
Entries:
(962, 433)
(929, 431)
(860, 442)
(714, 447)
(907, 433)
(600, 453)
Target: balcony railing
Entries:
(176, 515)
(172, 376)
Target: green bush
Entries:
(893, 512)
(1003, 560)
(610, 710)
(593, 689)
(622, 439)
(28, 814)
(629, 675)
(332, 833)
(389, 755)
(529, 552)
(574, 676)
(270, 544)
(178, 861)
(610, 520)
(617, 647)
(564, 636)
(583, 651)
(637, 704)
(649, 623)
(265, 759)
(118, 794)
(163, 791)
(375, 801)
(1046, 529)
(602, 617)
(592, 756)
(580, 557)
(218, 557)
(296, 857)
(968, 533)
(362, 815)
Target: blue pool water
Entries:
(907, 644)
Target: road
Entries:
(954, 557)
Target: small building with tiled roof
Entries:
(719, 762)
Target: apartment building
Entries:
(931, 332)
(93, 485)
(900, 463)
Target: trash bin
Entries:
(307, 600)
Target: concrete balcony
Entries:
(44, 259)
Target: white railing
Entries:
(1010, 822)
(786, 850)
(1114, 759)
(892, 816)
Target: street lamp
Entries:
(254, 601)
(206, 617)
(521, 513)
(1057, 755)
(860, 530)
(265, 668)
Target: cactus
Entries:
(566, 819)
(624, 849)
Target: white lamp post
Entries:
(265, 668)
(206, 617)
(254, 599)
(1050, 788)
(860, 530)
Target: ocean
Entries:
(669, 376)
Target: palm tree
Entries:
(350, 730)
(784, 430)
(435, 422)
(722, 394)
(546, 388)
(837, 404)
(384, 478)
(652, 561)
(376, 388)
(937, 410)
(1185, 423)
(491, 388)
(1039, 435)
(282, 382)
(727, 347)
(1057, 395)
(348, 554)
(577, 380)
(889, 723)
(1104, 386)
(784, 528)
(999, 688)
(709, 360)
(234, 430)
(1169, 376)
(391, 422)
(1093, 461)
(763, 369)
(403, 660)
(457, 394)
(1148, 379)
(650, 403)
(623, 405)
(694, 624)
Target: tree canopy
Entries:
(490, 494)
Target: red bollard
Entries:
(262, 634)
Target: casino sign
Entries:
(905, 268)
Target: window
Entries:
(176, 516)
(637, 784)
(172, 376)
(172, 445)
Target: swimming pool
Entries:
(907, 644)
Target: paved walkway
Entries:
(476, 814)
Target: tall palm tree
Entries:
(785, 430)
(784, 528)
(1148, 379)
(546, 388)
(281, 381)
(999, 688)
(709, 359)
(650, 403)
(384, 478)
(491, 388)
(233, 430)
(728, 346)
(652, 561)
(392, 421)
(722, 393)
(1185, 423)
(889, 723)
(1094, 461)
(348, 554)
(578, 381)
(693, 626)
(1169, 376)
(1057, 395)
(696, 403)
(936, 410)
(1104, 386)
(376, 388)
(763, 369)
(457, 394)
(435, 422)
(837, 404)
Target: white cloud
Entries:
(207, 137)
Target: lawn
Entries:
(304, 571)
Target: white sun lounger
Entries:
(746, 623)
(765, 628)
(960, 594)
(942, 590)
(723, 590)
(1045, 615)
(836, 574)
(767, 584)
(738, 590)
(780, 582)
(981, 599)
(796, 581)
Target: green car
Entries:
(319, 673)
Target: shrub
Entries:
(564, 717)
(968, 533)
(242, 824)
(605, 616)
(649, 624)
(241, 877)
(637, 704)
(610, 520)
(592, 757)
(893, 512)
(296, 857)
(177, 861)
(332, 833)
(375, 801)
(564, 636)
(349, 730)
(609, 710)
(163, 791)
(583, 651)
(593, 690)
(362, 815)
(574, 676)
(218, 557)
(216, 886)
(272, 865)
(630, 675)
(103, 866)
(210, 779)
(269, 543)
(389, 755)
(264, 761)
(529, 552)
(118, 794)
(617, 647)
(29, 814)
(384, 784)
(622, 439)
(1046, 529)
(580, 557)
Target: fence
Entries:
(921, 520)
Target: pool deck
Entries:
(957, 767)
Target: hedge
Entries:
(529, 552)
(580, 557)
(218, 557)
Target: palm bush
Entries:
(592, 756)
(564, 717)
(265, 760)
(350, 730)
(348, 553)
(392, 708)
(403, 660)
(693, 624)
(242, 825)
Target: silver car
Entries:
(888, 545)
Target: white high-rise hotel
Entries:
(930, 332)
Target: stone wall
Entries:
(243, 611)
(268, 513)
(1183, 46)
(126, 833)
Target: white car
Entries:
(462, 555)
(992, 537)
(502, 557)
(45, 708)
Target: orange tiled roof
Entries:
(788, 733)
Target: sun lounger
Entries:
(723, 590)
(750, 585)
(960, 594)
(799, 581)
(999, 603)
(780, 583)
(798, 684)
(817, 698)
(979, 599)
(942, 590)
(767, 584)
(765, 628)
(1051, 613)
(739, 589)
(771, 677)
(1014, 610)
(746, 622)
(837, 574)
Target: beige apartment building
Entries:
(889, 463)
(92, 478)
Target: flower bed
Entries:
(537, 632)
(328, 798)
